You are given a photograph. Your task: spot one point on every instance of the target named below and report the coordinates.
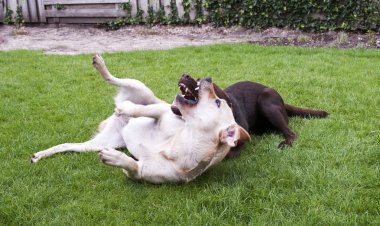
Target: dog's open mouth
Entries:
(189, 88)
(189, 93)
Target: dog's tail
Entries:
(304, 112)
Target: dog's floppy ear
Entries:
(232, 134)
(222, 95)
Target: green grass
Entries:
(330, 176)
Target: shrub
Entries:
(8, 16)
(312, 15)
(307, 15)
(19, 19)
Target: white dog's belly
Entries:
(145, 138)
(137, 135)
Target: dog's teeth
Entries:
(187, 90)
(197, 88)
(198, 83)
(182, 85)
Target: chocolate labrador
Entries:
(256, 108)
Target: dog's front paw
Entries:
(97, 61)
(125, 108)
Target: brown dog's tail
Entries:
(304, 112)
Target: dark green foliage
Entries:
(19, 19)
(139, 18)
(307, 15)
(160, 15)
(186, 14)
(59, 6)
(8, 16)
(199, 17)
(151, 18)
(122, 21)
(173, 16)
(126, 6)
(118, 23)
(311, 15)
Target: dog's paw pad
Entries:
(97, 60)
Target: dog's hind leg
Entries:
(130, 89)
(112, 157)
(109, 137)
(273, 109)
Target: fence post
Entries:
(25, 10)
(2, 9)
(41, 11)
(134, 7)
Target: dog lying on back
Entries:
(256, 108)
(166, 147)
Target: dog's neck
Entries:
(199, 148)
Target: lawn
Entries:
(331, 175)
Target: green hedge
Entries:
(309, 15)
(312, 15)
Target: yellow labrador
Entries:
(166, 147)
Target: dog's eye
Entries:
(217, 101)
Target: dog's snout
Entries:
(209, 79)
(185, 76)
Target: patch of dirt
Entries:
(77, 39)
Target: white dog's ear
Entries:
(232, 134)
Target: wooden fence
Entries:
(81, 11)
(32, 10)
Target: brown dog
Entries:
(256, 108)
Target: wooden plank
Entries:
(33, 12)
(85, 13)
(75, 2)
(155, 4)
(41, 11)
(180, 8)
(13, 6)
(134, 7)
(144, 6)
(77, 20)
(192, 10)
(25, 11)
(2, 11)
(167, 7)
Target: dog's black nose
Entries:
(186, 75)
(209, 79)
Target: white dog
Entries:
(168, 147)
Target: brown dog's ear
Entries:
(232, 134)
(222, 95)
